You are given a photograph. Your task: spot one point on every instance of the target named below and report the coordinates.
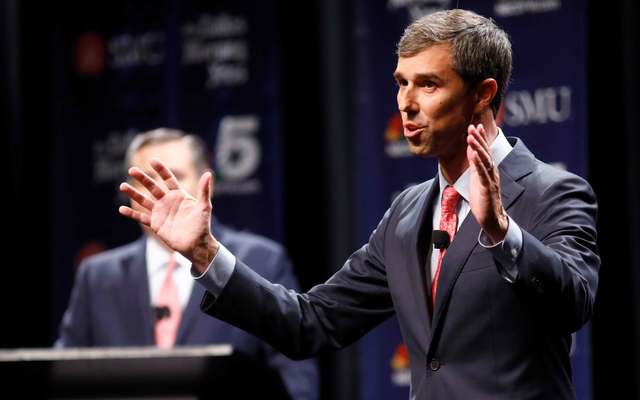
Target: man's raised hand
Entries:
(484, 185)
(175, 216)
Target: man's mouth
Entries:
(412, 130)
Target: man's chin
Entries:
(420, 149)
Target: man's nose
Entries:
(406, 100)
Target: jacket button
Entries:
(434, 365)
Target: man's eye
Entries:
(428, 84)
(401, 82)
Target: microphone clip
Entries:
(440, 239)
(161, 312)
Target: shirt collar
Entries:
(157, 256)
(499, 148)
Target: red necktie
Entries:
(167, 327)
(448, 223)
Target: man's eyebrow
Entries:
(428, 76)
(419, 77)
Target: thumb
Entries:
(205, 187)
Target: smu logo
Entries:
(541, 106)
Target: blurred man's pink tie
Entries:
(166, 327)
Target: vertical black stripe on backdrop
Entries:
(630, 54)
(614, 340)
(302, 124)
(36, 65)
(336, 52)
(308, 181)
(10, 125)
(26, 221)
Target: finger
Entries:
(151, 185)
(473, 132)
(165, 173)
(471, 129)
(205, 187)
(481, 170)
(141, 217)
(136, 196)
(484, 155)
(481, 136)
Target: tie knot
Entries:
(450, 198)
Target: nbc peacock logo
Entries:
(395, 144)
(400, 373)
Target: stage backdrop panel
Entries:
(210, 68)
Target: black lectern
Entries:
(214, 372)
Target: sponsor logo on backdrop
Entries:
(108, 156)
(89, 56)
(512, 8)
(400, 373)
(539, 106)
(218, 43)
(395, 144)
(237, 155)
(145, 49)
(419, 8)
(124, 51)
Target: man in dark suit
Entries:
(488, 313)
(119, 296)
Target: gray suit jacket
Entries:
(487, 338)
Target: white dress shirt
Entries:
(157, 258)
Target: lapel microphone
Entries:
(161, 312)
(440, 239)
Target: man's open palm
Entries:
(175, 216)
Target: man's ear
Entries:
(485, 93)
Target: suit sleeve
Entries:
(301, 378)
(559, 262)
(74, 327)
(330, 316)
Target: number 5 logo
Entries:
(238, 152)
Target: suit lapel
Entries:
(517, 164)
(420, 279)
(190, 314)
(135, 295)
(454, 260)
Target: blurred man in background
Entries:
(142, 293)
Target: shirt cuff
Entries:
(505, 252)
(218, 273)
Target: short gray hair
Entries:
(200, 156)
(480, 49)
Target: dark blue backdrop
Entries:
(211, 68)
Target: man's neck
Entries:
(451, 168)
(454, 166)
